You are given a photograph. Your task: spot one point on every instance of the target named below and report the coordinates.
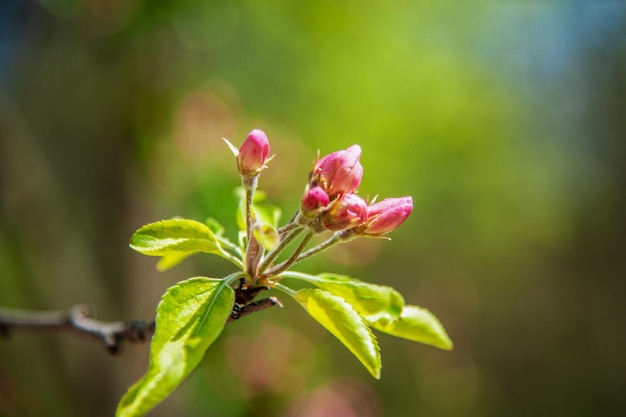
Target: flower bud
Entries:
(314, 201)
(347, 212)
(253, 153)
(339, 172)
(386, 215)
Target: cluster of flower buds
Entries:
(330, 203)
(330, 197)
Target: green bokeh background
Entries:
(505, 121)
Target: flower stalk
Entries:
(337, 237)
(253, 249)
(285, 241)
(293, 258)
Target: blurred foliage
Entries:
(504, 121)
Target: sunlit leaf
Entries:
(267, 214)
(176, 239)
(169, 261)
(190, 317)
(417, 324)
(174, 235)
(240, 215)
(370, 300)
(340, 319)
(240, 194)
(267, 236)
(262, 213)
(215, 226)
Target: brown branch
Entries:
(240, 311)
(79, 319)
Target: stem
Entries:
(285, 289)
(291, 225)
(298, 275)
(292, 259)
(281, 246)
(336, 238)
(287, 228)
(249, 186)
(229, 279)
(252, 249)
(265, 303)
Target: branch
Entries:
(240, 311)
(79, 319)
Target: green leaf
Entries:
(340, 319)
(383, 307)
(169, 261)
(417, 324)
(240, 194)
(190, 316)
(174, 235)
(176, 239)
(370, 300)
(262, 213)
(267, 214)
(240, 215)
(267, 236)
(215, 226)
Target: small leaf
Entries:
(240, 194)
(340, 319)
(169, 261)
(174, 235)
(267, 214)
(190, 316)
(417, 324)
(266, 235)
(261, 213)
(232, 147)
(215, 226)
(240, 215)
(370, 300)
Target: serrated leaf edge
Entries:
(377, 372)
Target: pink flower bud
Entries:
(340, 172)
(347, 212)
(253, 153)
(386, 215)
(314, 201)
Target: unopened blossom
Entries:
(386, 215)
(314, 201)
(253, 153)
(339, 172)
(347, 212)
